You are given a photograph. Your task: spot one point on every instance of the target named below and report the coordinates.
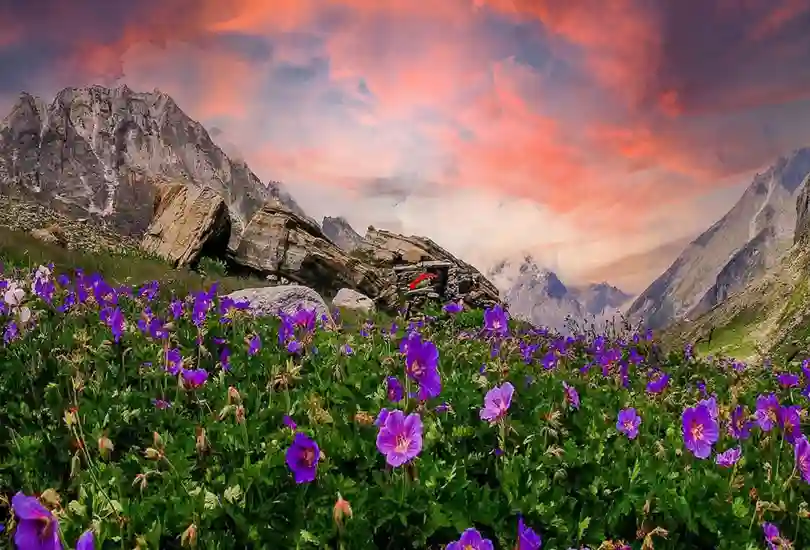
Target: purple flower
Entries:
(346, 349)
(421, 362)
(788, 380)
(658, 382)
(699, 430)
(772, 536)
(400, 437)
(453, 307)
(381, 416)
(528, 539)
(302, 458)
(628, 422)
(471, 539)
(571, 395)
(37, 528)
(161, 404)
(789, 421)
(767, 413)
(289, 422)
(801, 454)
(254, 345)
(86, 541)
(194, 378)
(497, 402)
(394, 389)
(728, 458)
(711, 404)
(740, 425)
(496, 321)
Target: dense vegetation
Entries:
(161, 415)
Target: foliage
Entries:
(159, 422)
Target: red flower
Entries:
(420, 278)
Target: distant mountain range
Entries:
(537, 295)
(737, 250)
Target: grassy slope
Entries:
(771, 317)
(21, 250)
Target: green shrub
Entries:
(147, 461)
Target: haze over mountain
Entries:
(537, 295)
(738, 249)
(582, 132)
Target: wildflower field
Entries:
(132, 418)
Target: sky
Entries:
(598, 135)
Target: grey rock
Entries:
(353, 300)
(738, 249)
(270, 300)
(340, 232)
(99, 152)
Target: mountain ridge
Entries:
(736, 250)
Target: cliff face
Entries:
(98, 152)
(743, 245)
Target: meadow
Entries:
(147, 414)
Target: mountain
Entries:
(341, 233)
(539, 296)
(770, 317)
(98, 152)
(742, 246)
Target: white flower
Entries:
(25, 314)
(14, 294)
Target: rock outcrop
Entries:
(410, 255)
(280, 242)
(186, 220)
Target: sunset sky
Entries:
(598, 135)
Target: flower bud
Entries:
(363, 418)
(233, 395)
(189, 537)
(240, 414)
(201, 442)
(157, 440)
(152, 454)
(70, 417)
(140, 481)
(105, 446)
(341, 510)
(50, 498)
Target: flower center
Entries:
(772, 415)
(308, 457)
(416, 368)
(402, 443)
(628, 425)
(697, 431)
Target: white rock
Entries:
(351, 299)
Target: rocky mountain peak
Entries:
(99, 152)
(340, 232)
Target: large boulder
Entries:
(409, 256)
(279, 242)
(272, 300)
(186, 219)
(347, 298)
